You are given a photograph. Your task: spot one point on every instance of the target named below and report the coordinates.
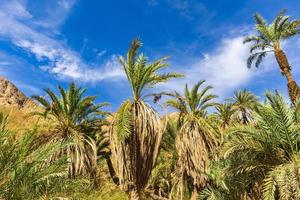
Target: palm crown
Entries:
(142, 75)
(71, 109)
(224, 114)
(243, 103)
(76, 118)
(193, 101)
(270, 36)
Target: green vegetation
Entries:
(68, 147)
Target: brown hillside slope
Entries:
(10, 95)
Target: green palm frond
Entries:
(193, 101)
(260, 58)
(283, 179)
(225, 114)
(243, 102)
(260, 153)
(259, 19)
(254, 39)
(25, 170)
(124, 121)
(77, 118)
(142, 75)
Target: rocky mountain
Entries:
(10, 95)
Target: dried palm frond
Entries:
(194, 143)
(136, 151)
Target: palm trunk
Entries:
(293, 88)
(112, 171)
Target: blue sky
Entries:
(49, 42)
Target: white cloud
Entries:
(54, 13)
(110, 70)
(15, 8)
(67, 4)
(4, 63)
(60, 59)
(101, 53)
(224, 68)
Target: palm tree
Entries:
(137, 129)
(269, 39)
(196, 137)
(243, 103)
(224, 114)
(263, 158)
(76, 117)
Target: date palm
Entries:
(137, 129)
(263, 157)
(224, 114)
(243, 102)
(196, 137)
(269, 39)
(76, 117)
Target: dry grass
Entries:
(21, 120)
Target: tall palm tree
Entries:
(269, 39)
(263, 157)
(196, 137)
(243, 102)
(76, 117)
(137, 129)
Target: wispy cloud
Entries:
(54, 13)
(192, 11)
(15, 9)
(224, 68)
(61, 60)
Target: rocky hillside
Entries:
(10, 95)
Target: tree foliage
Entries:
(76, 118)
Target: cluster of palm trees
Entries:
(239, 149)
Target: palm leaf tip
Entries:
(259, 19)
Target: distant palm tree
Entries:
(137, 129)
(225, 114)
(243, 102)
(196, 137)
(263, 157)
(76, 117)
(269, 39)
